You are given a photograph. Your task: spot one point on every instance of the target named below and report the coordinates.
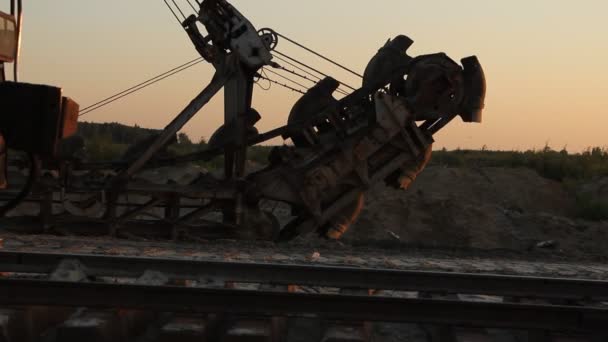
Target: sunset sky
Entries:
(545, 60)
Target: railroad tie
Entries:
(256, 330)
(103, 325)
(341, 331)
(13, 325)
(438, 333)
(474, 335)
(90, 325)
(304, 329)
(458, 334)
(279, 325)
(30, 323)
(248, 330)
(175, 327)
(187, 328)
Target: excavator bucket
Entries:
(475, 89)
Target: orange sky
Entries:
(544, 59)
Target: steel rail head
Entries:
(329, 276)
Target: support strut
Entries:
(219, 80)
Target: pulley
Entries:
(269, 38)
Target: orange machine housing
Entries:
(34, 118)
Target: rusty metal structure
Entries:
(34, 118)
(373, 133)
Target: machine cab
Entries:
(34, 118)
(8, 53)
(8, 38)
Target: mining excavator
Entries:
(340, 139)
(33, 118)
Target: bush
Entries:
(556, 165)
(102, 148)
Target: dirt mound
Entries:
(520, 189)
(484, 208)
(596, 189)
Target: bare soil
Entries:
(482, 208)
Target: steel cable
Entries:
(282, 85)
(179, 9)
(284, 60)
(319, 55)
(299, 75)
(150, 81)
(287, 79)
(293, 65)
(309, 67)
(139, 87)
(192, 6)
(142, 83)
(281, 56)
(257, 82)
(308, 79)
(173, 12)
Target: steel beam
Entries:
(217, 83)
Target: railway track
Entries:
(152, 299)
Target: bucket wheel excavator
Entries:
(340, 139)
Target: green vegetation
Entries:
(556, 165)
(108, 141)
(114, 132)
